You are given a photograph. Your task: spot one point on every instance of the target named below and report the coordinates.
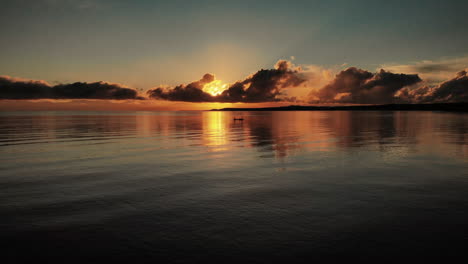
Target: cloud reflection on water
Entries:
(273, 134)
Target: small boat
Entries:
(238, 119)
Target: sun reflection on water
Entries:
(215, 130)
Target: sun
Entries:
(215, 87)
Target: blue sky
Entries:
(147, 43)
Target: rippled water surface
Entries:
(198, 186)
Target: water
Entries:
(199, 186)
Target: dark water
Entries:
(197, 186)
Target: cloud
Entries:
(192, 92)
(263, 86)
(439, 84)
(431, 71)
(315, 77)
(15, 88)
(284, 83)
(359, 86)
(450, 91)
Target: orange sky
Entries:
(119, 105)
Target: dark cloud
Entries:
(191, 92)
(263, 86)
(434, 67)
(451, 91)
(11, 88)
(359, 86)
(352, 85)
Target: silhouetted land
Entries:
(452, 107)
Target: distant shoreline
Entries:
(451, 107)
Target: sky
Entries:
(145, 45)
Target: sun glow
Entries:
(215, 87)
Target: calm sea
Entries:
(190, 187)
